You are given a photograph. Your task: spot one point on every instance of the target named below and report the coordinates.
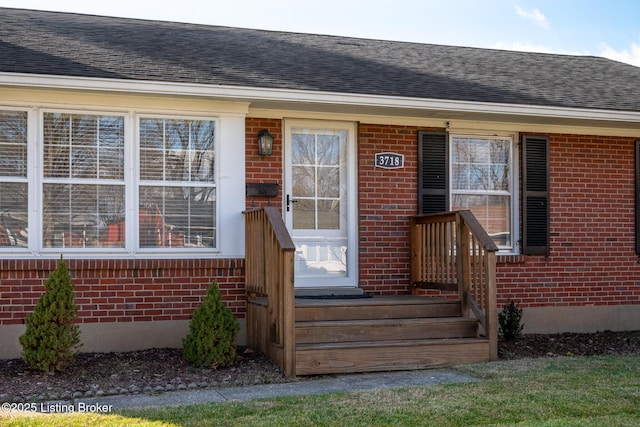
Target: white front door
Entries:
(320, 201)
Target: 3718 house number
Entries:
(389, 160)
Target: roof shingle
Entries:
(64, 44)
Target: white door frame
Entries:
(351, 277)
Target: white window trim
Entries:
(138, 183)
(513, 184)
(40, 180)
(230, 185)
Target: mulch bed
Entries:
(163, 370)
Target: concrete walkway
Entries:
(338, 383)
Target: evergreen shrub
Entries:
(213, 329)
(510, 321)
(52, 338)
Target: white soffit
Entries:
(341, 103)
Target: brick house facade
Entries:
(589, 279)
(592, 260)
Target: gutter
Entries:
(252, 94)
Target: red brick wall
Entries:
(124, 290)
(592, 259)
(387, 197)
(145, 290)
(264, 169)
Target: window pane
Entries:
(328, 214)
(480, 164)
(329, 149)
(500, 171)
(13, 208)
(329, 182)
(13, 165)
(481, 182)
(460, 177)
(177, 217)
(13, 143)
(304, 181)
(56, 145)
(303, 149)
(84, 213)
(111, 148)
(182, 212)
(177, 150)
(493, 213)
(304, 215)
(83, 146)
(79, 215)
(151, 149)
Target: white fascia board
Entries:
(239, 93)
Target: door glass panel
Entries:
(304, 181)
(329, 214)
(318, 192)
(329, 182)
(304, 215)
(328, 150)
(303, 149)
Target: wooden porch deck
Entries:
(380, 334)
(450, 252)
(384, 333)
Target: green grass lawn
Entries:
(580, 391)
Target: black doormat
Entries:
(332, 296)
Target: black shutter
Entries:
(433, 168)
(535, 191)
(637, 191)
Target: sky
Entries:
(609, 28)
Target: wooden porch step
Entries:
(393, 307)
(348, 357)
(384, 329)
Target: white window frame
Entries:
(514, 248)
(40, 181)
(139, 183)
(27, 179)
(229, 176)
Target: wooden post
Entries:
(415, 248)
(288, 314)
(464, 262)
(491, 317)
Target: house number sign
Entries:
(389, 160)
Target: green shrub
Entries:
(510, 320)
(212, 333)
(52, 339)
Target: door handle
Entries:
(289, 202)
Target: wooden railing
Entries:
(452, 252)
(269, 257)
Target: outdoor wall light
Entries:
(265, 143)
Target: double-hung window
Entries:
(14, 184)
(82, 183)
(177, 190)
(481, 181)
(473, 172)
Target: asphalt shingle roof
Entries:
(66, 44)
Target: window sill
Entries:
(510, 259)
